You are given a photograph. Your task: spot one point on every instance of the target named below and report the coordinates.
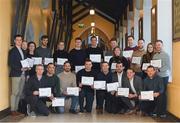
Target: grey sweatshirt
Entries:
(165, 63)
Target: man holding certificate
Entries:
(77, 55)
(101, 94)
(34, 88)
(134, 83)
(153, 83)
(95, 54)
(54, 84)
(86, 91)
(118, 76)
(67, 85)
(137, 58)
(164, 70)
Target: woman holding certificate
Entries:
(118, 58)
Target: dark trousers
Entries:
(156, 106)
(100, 98)
(165, 81)
(89, 100)
(38, 105)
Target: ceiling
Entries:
(109, 9)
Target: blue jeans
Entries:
(74, 104)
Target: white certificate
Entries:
(100, 85)
(87, 80)
(95, 58)
(113, 66)
(48, 60)
(145, 65)
(44, 92)
(123, 92)
(73, 91)
(37, 60)
(25, 63)
(78, 68)
(31, 62)
(107, 58)
(156, 63)
(136, 60)
(147, 95)
(60, 61)
(128, 54)
(58, 101)
(112, 86)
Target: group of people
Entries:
(119, 68)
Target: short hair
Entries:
(60, 42)
(44, 37)
(50, 64)
(18, 35)
(88, 60)
(131, 70)
(93, 37)
(119, 63)
(116, 48)
(150, 66)
(159, 41)
(78, 38)
(104, 62)
(130, 36)
(39, 65)
(113, 39)
(67, 62)
(141, 39)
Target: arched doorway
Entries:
(103, 40)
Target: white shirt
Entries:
(120, 78)
(132, 85)
(21, 52)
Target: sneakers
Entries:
(162, 115)
(29, 112)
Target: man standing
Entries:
(95, 50)
(138, 54)
(113, 44)
(131, 45)
(77, 56)
(43, 51)
(17, 73)
(165, 65)
(68, 79)
(86, 91)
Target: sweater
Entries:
(53, 82)
(34, 84)
(60, 54)
(155, 84)
(77, 57)
(67, 80)
(137, 53)
(43, 52)
(83, 72)
(165, 63)
(96, 50)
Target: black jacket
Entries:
(14, 59)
